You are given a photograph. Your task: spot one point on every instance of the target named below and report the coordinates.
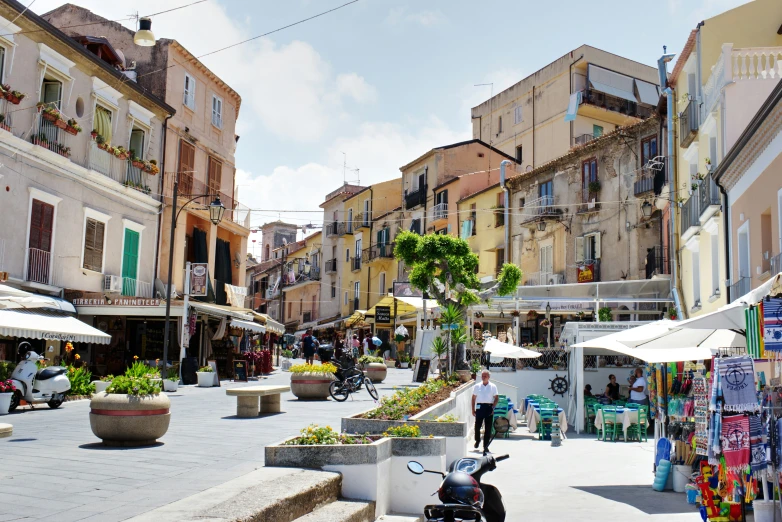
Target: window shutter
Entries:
(597, 245)
(580, 249)
(93, 245)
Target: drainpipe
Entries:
(160, 191)
(503, 165)
(426, 182)
(673, 249)
(728, 237)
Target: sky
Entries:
(377, 83)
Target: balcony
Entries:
(690, 218)
(643, 184)
(135, 288)
(362, 220)
(415, 198)
(40, 268)
(53, 134)
(189, 185)
(354, 305)
(542, 207)
(615, 104)
(300, 275)
(708, 198)
(543, 278)
(330, 266)
(331, 229)
(775, 264)
(355, 263)
(345, 229)
(656, 261)
(375, 252)
(440, 211)
(739, 288)
(499, 217)
(688, 124)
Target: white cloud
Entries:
(400, 15)
(356, 87)
(697, 10)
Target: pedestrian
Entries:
(308, 347)
(484, 399)
(638, 389)
(354, 344)
(366, 345)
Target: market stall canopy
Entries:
(356, 319)
(248, 325)
(222, 310)
(48, 324)
(324, 326)
(404, 305)
(272, 326)
(499, 349)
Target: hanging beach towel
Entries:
(772, 325)
(735, 442)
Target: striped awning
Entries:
(248, 325)
(50, 325)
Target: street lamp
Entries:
(541, 225)
(548, 328)
(646, 208)
(144, 36)
(216, 212)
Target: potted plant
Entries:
(102, 384)
(150, 167)
(594, 187)
(205, 377)
(131, 412)
(171, 382)
(404, 359)
(475, 367)
(14, 97)
(100, 141)
(311, 381)
(604, 315)
(7, 390)
(137, 162)
(120, 152)
(374, 367)
(94, 134)
(72, 127)
(672, 314)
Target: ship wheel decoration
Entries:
(559, 385)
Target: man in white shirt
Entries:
(484, 399)
(638, 389)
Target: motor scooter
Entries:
(462, 495)
(36, 385)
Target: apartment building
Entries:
(724, 73)
(262, 282)
(301, 271)
(591, 215)
(482, 217)
(200, 144)
(573, 100)
(78, 216)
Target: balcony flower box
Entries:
(59, 123)
(150, 167)
(14, 97)
(48, 116)
(137, 163)
(72, 127)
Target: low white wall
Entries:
(508, 390)
(539, 381)
(366, 482)
(455, 448)
(410, 493)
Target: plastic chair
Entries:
(640, 430)
(501, 412)
(590, 411)
(609, 423)
(545, 418)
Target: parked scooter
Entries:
(35, 385)
(462, 495)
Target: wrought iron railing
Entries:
(331, 266)
(415, 198)
(52, 133)
(643, 184)
(775, 263)
(40, 268)
(739, 288)
(690, 215)
(440, 211)
(656, 261)
(135, 288)
(382, 251)
(688, 124)
(708, 194)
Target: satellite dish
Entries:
(160, 290)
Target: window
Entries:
(415, 226)
(333, 290)
(350, 220)
(2, 64)
(519, 153)
(102, 123)
(588, 247)
(94, 236)
(597, 131)
(715, 265)
(474, 218)
(186, 167)
(518, 117)
(522, 202)
(499, 214)
(546, 190)
(357, 259)
(217, 112)
(356, 294)
(546, 266)
(266, 255)
(713, 151)
(51, 93)
(346, 298)
(696, 278)
(367, 213)
(743, 253)
(190, 88)
(500, 259)
(499, 127)
(215, 177)
(381, 285)
(347, 254)
(130, 259)
(648, 150)
(588, 176)
(290, 309)
(137, 142)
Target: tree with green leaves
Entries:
(445, 268)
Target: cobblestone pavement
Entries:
(54, 468)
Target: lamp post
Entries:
(548, 328)
(216, 211)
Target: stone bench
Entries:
(247, 399)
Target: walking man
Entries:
(484, 399)
(308, 347)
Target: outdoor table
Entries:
(626, 416)
(532, 419)
(511, 416)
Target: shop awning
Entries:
(612, 83)
(355, 319)
(11, 297)
(272, 326)
(248, 325)
(404, 305)
(222, 311)
(331, 324)
(48, 324)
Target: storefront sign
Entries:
(240, 371)
(586, 273)
(382, 314)
(57, 336)
(199, 279)
(121, 301)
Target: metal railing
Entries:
(775, 263)
(383, 251)
(542, 206)
(739, 288)
(331, 266)
(51, 135)
(6, 114)
(688, 124)
(362, 220)
(616, 104)
(135, 288)
(39, 266)
(331, 228)
(708, 195)
(643, 184)
(690, 216)
(440, 211)
(344, 229)
(415, 198)
(583, 139)
(656, 261)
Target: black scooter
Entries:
(462, 495)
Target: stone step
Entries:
(266, 494)
(342, 511)
(400, 518)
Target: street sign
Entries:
(240, 370)
(382, 314)
(199, 279)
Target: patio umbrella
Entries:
(507, 351)
(679, 338)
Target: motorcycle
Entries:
(462, 495)
(36, 385)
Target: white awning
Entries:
(612, 83)
(11, 297)
(249, 325)
(46, 324)
(500, 349)
(648, 93)
(221, 311)
(332, 324)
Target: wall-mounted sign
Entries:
(120, 301)
(199, 279)
(586, 273)
(382, 314)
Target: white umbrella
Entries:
(11, 298)
(677, 338)
(507, 351)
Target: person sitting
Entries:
(612, 388)
(588, 391)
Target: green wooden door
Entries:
(130, 262)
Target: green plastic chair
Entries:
(590, 411)
(640, 430)
(596, 408)
(501, 411)
(545, 418)
(609, 423)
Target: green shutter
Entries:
(130, 262)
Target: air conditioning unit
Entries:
(112, 283)
(555, 279)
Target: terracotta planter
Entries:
(60, 124)
(311, 385)
(138, 164)
(71, 130)
(127, 420)
(48, 116)
(376, 372)
(16, 100)
(102, 146)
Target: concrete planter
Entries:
(311, 385)
(205, 379)
(390, 363)
(410, 493)
(376, 372)
(127, 420)
(5, 402)
(404, 365)
(170, 386)
(100, 386)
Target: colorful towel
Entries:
(772, 324)
(715, 385)
(737, 382)
(735, 442)
(756, 446)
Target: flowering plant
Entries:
(205, 369)
(133, 386)
(545, 323)
(314, 435)
(72, 123)
(7, 386)
(405, 430)
(313, 368)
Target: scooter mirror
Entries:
(415, 467)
